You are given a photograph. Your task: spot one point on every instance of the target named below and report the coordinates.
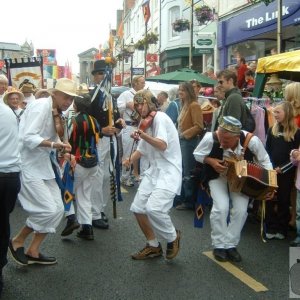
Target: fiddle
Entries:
(144, 125)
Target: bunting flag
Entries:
(30, 68)
(146, 10)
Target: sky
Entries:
(70, 27)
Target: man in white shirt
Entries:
(10, 163)
(126, 108)
(159, 143)
(163, 101)
(40, 195)
(211, 151)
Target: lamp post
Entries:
(131, 49)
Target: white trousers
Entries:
(223, 234)
(83, 182)
(42, 200)
(156, 205)
(127, 143)
(101, 185)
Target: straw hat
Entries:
(274, 79)
(27, 87)
(41, 92)
(82, 89)
(66, 86)
(11, 90)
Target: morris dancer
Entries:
(161, 181)
(99, 110)
(40, 195)
(226, 235)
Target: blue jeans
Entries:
(188, 164)
(9, 189)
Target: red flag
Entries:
(146, 10)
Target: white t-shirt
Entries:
(122, 100)
(165, 170)
(10, 160)
(37, 125)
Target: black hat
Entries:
(99, 65)
(82, 102)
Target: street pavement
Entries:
(103, 269)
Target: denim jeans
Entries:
(9, 189)
(188, 164)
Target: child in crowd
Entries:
(282, 137)
(295, 158)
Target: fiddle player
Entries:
(216, 146)
(40, 195)
(159, 143)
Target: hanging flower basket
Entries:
(150, 38)
(181, 25)
(140, 45)
(204, 14)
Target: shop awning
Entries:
(287, 62)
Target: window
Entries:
(174, 14)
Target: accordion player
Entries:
(250, 179)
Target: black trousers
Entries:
(278, 212)
(9, 189)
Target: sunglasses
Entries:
(139, 100)
(220, 81)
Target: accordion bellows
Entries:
(250, 179)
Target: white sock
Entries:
(153, 243)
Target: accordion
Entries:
(250, 179)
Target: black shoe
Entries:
(220, 254)
(101, 224)
(104, 217)
(70, 227)
(233, 255)
(18, 255)
(41, 260)
(86, 233)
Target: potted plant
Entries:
(203, 14)
(181, 25)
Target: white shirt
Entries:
(1, 98)
(255, 146)
(165, 170)
(122, 100)
(37, 125)
(10, 160)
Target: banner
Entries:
(49, 56)
(146, 10)
(26, 68)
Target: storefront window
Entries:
(250, 50)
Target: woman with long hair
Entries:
(190, 126)
(282, 137)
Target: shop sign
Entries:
(204, 50)
(270, 16)
(137, 71)
(152, 57)
(205, 40)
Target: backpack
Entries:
(249, 124)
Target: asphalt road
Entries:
(103, 269)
